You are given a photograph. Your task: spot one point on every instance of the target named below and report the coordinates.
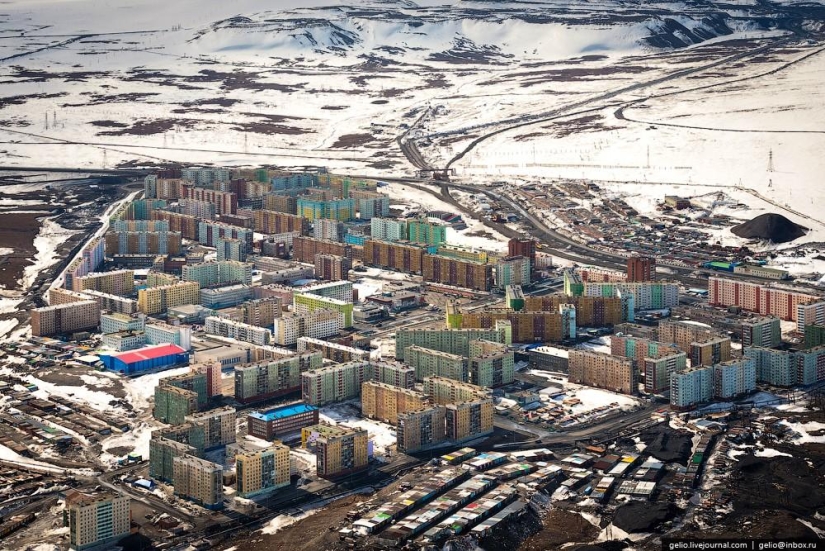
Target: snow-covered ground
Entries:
(381, 434)
(600, 344)
(804, 430)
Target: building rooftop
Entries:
(282, 412)
(149, 353)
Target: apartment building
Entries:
(428, 232)
(334, 209)
(236, 330)
(120, 282)
(755, 297)
(330, 267)
(646, 295)
(385, 402)
(395, 255)
(198, 480)
(335, 352)
(116, 322)
(734, 378)
(761, 332)
(186, 224)
(262, 471)
(339, 451)
(491, 364)
(318, 324)
(657, 369)
(525, 327)
(65, 318)
(125, 340)
(388, 229)
(280, 203)
(810, 313)
(209, 232)
(638, 348)
(212, 371)
(641, 268)
(261, 312)
(369, 207)
(814, 335)
(722, 382)
(218, 298)
(95, 520)
(231, 249)
(787, 368)
(452, 341)
(335, 383)
(163, 333)
(711, 351)
(683, 334)
(331, 230)
(590, 311)
(157, 300)
(432, 363)
(266, 379)
(420, 429)
(211, 274)
(273, 222)
(691, 387)
(89, 259)
(460, 252)
(393, 373)
(161, 243)
(468, 420)
(304, 249)
(614, 373)
(458, 273)
(305, 303)
(513, 270)
(522, 247)
(225, 202)
(445, 391)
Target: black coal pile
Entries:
(771, 227)
(667, 444)
(643, 517)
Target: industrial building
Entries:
(162, 356)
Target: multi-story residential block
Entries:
(177, 397)
(205, 177)
(280, 203)
(162, 333)
(202, 210)
(332, 268)
(209, 232)
(615, 373)
(274, 222)
(370, 207)
(691, 387)
(339, 451)
(139, 209)
(120, 282)
(336, 209)
(161, 243)
(468, 420)
(684, 334)
(122, 225)
(458, 273)
(186, 224)
(317, 324)
(262, 471)
(304, 249)
(711, 351)
(386, 402)
(755, 297)
(159, 279)
(460, 252)
(492, 364)
(590, 311)
(339, 290)
(638, 348)
(212, 371)
(218, 426)
(641, 268)
(657, 369)
(331, 230)
(96, 520)
(261, 312)
(236, 330)
(305, 303)
(115, 323)
(231, 249)
(734, 378)
(762, 332)
(810, 365)
(393, 373)
(335, 383)
(281, 421)
(388, 229)
(157, 300)
(338, 353)
(810, 313)
(814, 335)
(198, 480)
(646, 295)
(394, 255)
(167, 444)
(258, 381)
(775, 367)
(522, 247)
(211, 274)
(432, 363)
(445, 391)
(513, 270)
(225, 202)
(89, 259)
(525, 327)
(65, 318)
(218, 298)
(452, 341)
(421, 230)
(418, 430)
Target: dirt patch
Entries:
(108, 124)
(269, 128)
(380, 102)
(149, 127)
(17, 232)
(335, 107)
(558, 528)
(20, 100)
(352, 140)
(103, 99)
(240, 80)
(643, 517)
(587, 123)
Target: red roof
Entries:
(149, 353)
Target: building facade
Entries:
(614, 373)
(335, 383)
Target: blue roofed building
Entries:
(277, 422)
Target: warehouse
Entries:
(145, 359)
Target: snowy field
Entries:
(346, 414)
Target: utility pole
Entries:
(770, 160)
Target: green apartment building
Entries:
(430, 363)
(307, 303)
(334, 383)
(453, 341)
(422, 231)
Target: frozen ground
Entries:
(346, 414)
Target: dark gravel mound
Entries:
(643, 517)
(666, 444)
(778, 483)
(772, 227)
(614, 545)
